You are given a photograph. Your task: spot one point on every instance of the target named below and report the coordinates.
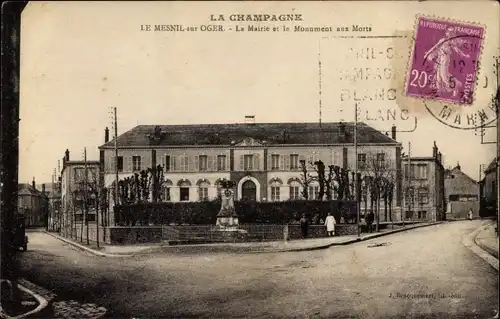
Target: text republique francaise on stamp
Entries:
(444, 67)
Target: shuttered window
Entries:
(248, 162)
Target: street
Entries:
(422, 273)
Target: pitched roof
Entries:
(272, 133)
(456, 170)
(27, 189)
(492, 165)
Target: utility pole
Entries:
(497, 106)
(85, 197)
(358, 197)
(409, 188)
(115, 122)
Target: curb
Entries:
(84, 248)
(325, 246)
(351, 241)
(42, 304)
(469, 241)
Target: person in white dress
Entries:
(470, 214)
(330, 224)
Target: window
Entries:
(336, 159)
(313, 191)
(248, 162)
(136, 163)
(167, 163)
(221, 162)
(409, 196)
(294, 190)
(275, 161)
(381, 159)
(184, 163)
(167, 193)
(203, 163)
(294, 161)
(203, 191)
(184, 192)
(423, 195)
(454, 198)
(120, 163)
(422, 171)
(422, 214)
(361, 160)
(275, 193)
(418, 171)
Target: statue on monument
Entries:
(227, 216)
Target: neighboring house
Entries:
(76, 191)
(54, 197)
(424, 187)
(489, 191)
(33, 204)
(262, 158)
(462, 194)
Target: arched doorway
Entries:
(249, 191)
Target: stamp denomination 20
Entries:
(445, 61)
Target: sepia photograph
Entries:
(250, 159)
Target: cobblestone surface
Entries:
(66, 309)
(74, 309)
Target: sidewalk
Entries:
(482, 242)
(252, 247)
(32, 303)
(487, 239)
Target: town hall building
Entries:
(262, 158)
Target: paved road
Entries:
(423, 273)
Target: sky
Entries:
(80, 59)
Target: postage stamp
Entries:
(445, 60)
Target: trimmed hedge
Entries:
(203, 213)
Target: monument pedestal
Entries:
(227, 219)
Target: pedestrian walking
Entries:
(304, 224)
(330, 225)
(369, 221)
(470, 214)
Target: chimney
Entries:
(66, 155)
(458, 166)
(106, 135)
(393, 132)
(249, 119)
(43, 188)
(435, 150)
(33, 183)
(440, 158)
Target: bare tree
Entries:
(319, 167)
(330, 186)
(306, 179)
(380, 172)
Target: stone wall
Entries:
(116, 235)
(135, 235)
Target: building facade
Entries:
(424, 195)
(489, 191)
(262, 158)
(461, 193)
(33, 204)
(77, 190)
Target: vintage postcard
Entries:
(233, 159)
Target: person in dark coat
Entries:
(369, 221)
(304, 225)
